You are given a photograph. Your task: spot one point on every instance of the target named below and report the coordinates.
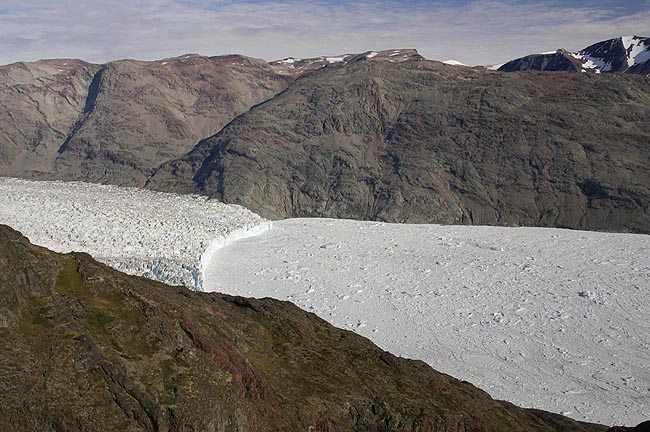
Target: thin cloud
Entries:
(474, 32)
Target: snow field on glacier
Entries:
(161, 236)
(545, 318)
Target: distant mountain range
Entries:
(624, 54)
(292, 66)
(384, 135)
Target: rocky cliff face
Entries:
(116, 123)
(84, 348)
(425, 142)
(40, 104)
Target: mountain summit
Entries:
(626, 54)
(293, 66)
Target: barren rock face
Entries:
(84, 348)
(424, 142)
(117, 122)
(39, 105)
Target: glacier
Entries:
(162, 236)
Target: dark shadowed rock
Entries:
(561, 60)
(641, 427)
(86, 348)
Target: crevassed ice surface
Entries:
(545, 318)
(162, 236)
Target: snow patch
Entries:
(454, 63)
(335, 59)
(372, 55)
(592, 64)
(638, 51)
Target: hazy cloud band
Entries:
(474, 32)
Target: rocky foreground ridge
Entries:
(382, 135)
(87, 348)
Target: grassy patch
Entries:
(33, 320)
(35, 325)
(69, 281)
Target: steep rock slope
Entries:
(85, 347)
(126, 117)
(426, 142)
(39, 105)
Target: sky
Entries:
(474, 32)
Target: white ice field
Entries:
(545, 318)
(158, 235)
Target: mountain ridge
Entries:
(359, 149)
(625, 54)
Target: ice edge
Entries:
(223, 241)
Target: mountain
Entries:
(628, 54)
(383, 135)
(293, 66)
(85, 347)
(426, 142)
(116, 123)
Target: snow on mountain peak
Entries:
(339, 59)
(454, 62)
(622, 54)
(638, 49)
(296, 66)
